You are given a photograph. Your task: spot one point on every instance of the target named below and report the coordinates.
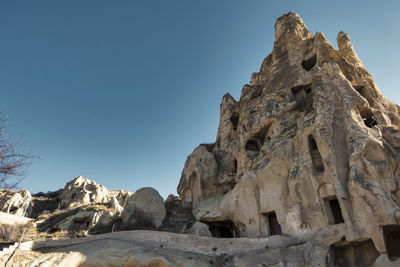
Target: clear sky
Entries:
(121, 92)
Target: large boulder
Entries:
(145, 207)
(15, 202)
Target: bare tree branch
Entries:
(12, 163)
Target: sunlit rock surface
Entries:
(304, 172)
(15, 202)
(311, 145)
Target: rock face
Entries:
(145, 207)
(15, 202)
(83, 191)
(179, 218)
(311, 146)
(82, 207)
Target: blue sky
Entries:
(121, 92)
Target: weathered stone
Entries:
(92, 219)
(83, 191)
(310, 145)
(145, 204)
(179, 217)
(200, 172)
(116, 206)
(121, 195)
(15, 202)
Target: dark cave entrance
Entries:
(302, 96)
(272, 226)
(308, 64)
(333, 210)
(13, 210)
(318, 164)
(254, 144)
(235, 166)
(222, 229)
(391, 237)
(235, 120)
(359, 89)
(368, 117)
(253, 147)
(355, 253)
(336, 211)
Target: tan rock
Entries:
(145, 204)
(121, 195)
(83, 191)
(179, 217)
(116, 206)
(15, 202)
(310, 145)
(83, 220)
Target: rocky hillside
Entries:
(304, 172)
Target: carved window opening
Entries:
(355, 253)
(308, 64)
(368, 117)
(223, 229)
(391, 237)
(235, 166)
(253, 147)
(333, 210)
(318, 164)
(235, 120)
(272, 226)
(303, 97)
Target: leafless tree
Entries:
(12, 163)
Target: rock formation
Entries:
(146, 208)
(15, 202)
(304, 172)
(84, 191)
(311, 146)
